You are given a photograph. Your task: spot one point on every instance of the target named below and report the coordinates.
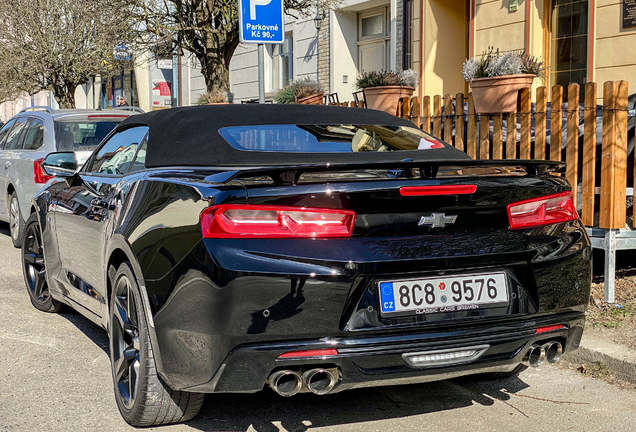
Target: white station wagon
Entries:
(28, 137)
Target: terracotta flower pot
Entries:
(386, 98)
(499, 94)
(316, 99)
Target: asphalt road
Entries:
(55, 376)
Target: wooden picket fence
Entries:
(485, 133)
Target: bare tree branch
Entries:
(58, 45)
(209, 29)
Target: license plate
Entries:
(443, 294)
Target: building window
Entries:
(282, 63)
(374, 35)
(569, 43)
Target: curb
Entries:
(594, 347)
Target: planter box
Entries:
(499, 94)
(386, 98)
(316, 99)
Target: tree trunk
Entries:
(216, 74)
(64, 95)
(215, 61)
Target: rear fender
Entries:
(117, 245)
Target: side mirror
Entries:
(60, 164)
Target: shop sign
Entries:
(163, 87)
(629, 13)
(164, 63)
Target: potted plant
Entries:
(496, 78)
(304, 91)
(383, 90)
(215, 98)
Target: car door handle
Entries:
(101, 204)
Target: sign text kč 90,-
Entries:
(261, 21)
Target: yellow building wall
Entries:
(615, 53)
(416, 50)
(443, 46)
(498, 28)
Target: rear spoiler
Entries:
(290, 174)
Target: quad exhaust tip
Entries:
(320, 381)
(285, 382)
(537, 354)
(553, 351)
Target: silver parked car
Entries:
(28, 137)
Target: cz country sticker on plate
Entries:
(443, 294)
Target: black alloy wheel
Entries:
(125, 342)
(142, 398)
(34, 268)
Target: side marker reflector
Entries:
(309, 353)
(551, 328)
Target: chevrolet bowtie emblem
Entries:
(437, 220)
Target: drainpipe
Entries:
(406, 36)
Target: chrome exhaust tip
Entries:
(535, 356)
(553, 351)
(285, 382)
(321, 381)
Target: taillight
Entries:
(258, 221)
(542, 211)
(38, 173)
(437, 190)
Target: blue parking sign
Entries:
(261, 21)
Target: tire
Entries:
(142, 398)
(503, 375)
(16, 224)
(34, 268)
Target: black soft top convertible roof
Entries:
(190, 136)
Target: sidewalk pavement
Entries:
(620, 360)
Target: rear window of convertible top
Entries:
(328, 138)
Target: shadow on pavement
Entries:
(4, 229)
(265, 410)
(91, 330)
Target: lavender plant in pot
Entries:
(495, 79)
(383, 90)
(304, 91)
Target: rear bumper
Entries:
(224, 314)
(378, 361)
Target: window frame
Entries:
(548, 42)
(89, 162)
(9, 124)
(144, 141)
(26, 124)
(278, 82)
(31, 121)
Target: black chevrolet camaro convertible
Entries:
(308, 249)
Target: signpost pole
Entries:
(261, 74)
(261, 22)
